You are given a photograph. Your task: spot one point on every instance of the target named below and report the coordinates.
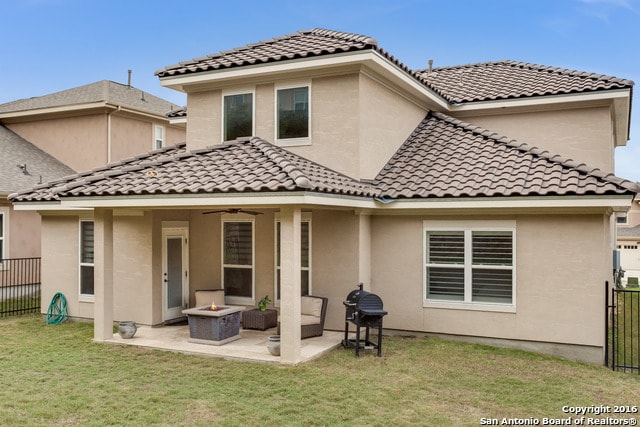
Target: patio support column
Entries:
(103, 275)
(290, 286)
(364, 248)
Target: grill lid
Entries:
(366, 303)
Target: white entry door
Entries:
(175, 271)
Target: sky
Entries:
(53, 45)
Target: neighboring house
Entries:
(84, 127)
(349, 167)
(628, 234)
(22, 166)
(95, 124)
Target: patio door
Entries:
(175, 271)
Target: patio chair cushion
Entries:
(310, 306)
(208, 296)
(305, 319)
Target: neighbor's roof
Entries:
(102, 91)
(633, 232)
(445, 157)
(246, 165)
(510, 79)
(39, 166)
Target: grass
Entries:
(56, 375)
(628, 325)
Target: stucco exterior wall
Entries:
(335, 261)
(584, 135)
(60, 264)
(205, 119)
(562, 263)
(387, 119)
(174, 135)
(347, 134)
(22, 232)
(79, 142)
(133, 268)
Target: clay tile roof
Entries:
(510, 79)
(247, 165)
(180, 112)
(445, 157)
(301, 44)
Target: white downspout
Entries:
(109, 133)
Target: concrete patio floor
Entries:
(252, 345)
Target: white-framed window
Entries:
(158, 137)
(238, 115)
(86, 259)
(305, 255)
(238, 260)
(293, 115)
(621, 218)
(4, 226)
(470, 264)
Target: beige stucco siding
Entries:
(584, 135)
(347, 133)
(22, 232)
(387, 119)
(130, 136)
(205, 119)
(60, 264)
(335, 261)
(79, 142)
(133, 268)
(556, 301)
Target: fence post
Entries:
(606, 323)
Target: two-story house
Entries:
(317, 160)
(628, 235)
(76, 129)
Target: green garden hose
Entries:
(57, 312)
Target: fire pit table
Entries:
(214, 327)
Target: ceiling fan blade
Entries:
(233, 211)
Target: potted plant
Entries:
(262, 304)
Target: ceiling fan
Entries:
(233, 211)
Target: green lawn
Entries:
(56, 375)
(628, 324)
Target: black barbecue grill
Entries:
(363, 309)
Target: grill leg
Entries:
(357, 339)
(380, 339)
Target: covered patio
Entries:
(251, 347)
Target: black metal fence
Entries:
(19, 286)
(623, 330)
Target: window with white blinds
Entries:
(86, 258)
(469, 265)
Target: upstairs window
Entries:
(237, 116)
(158, 139)
(86, 258)
(469, 265)
(292, 113)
